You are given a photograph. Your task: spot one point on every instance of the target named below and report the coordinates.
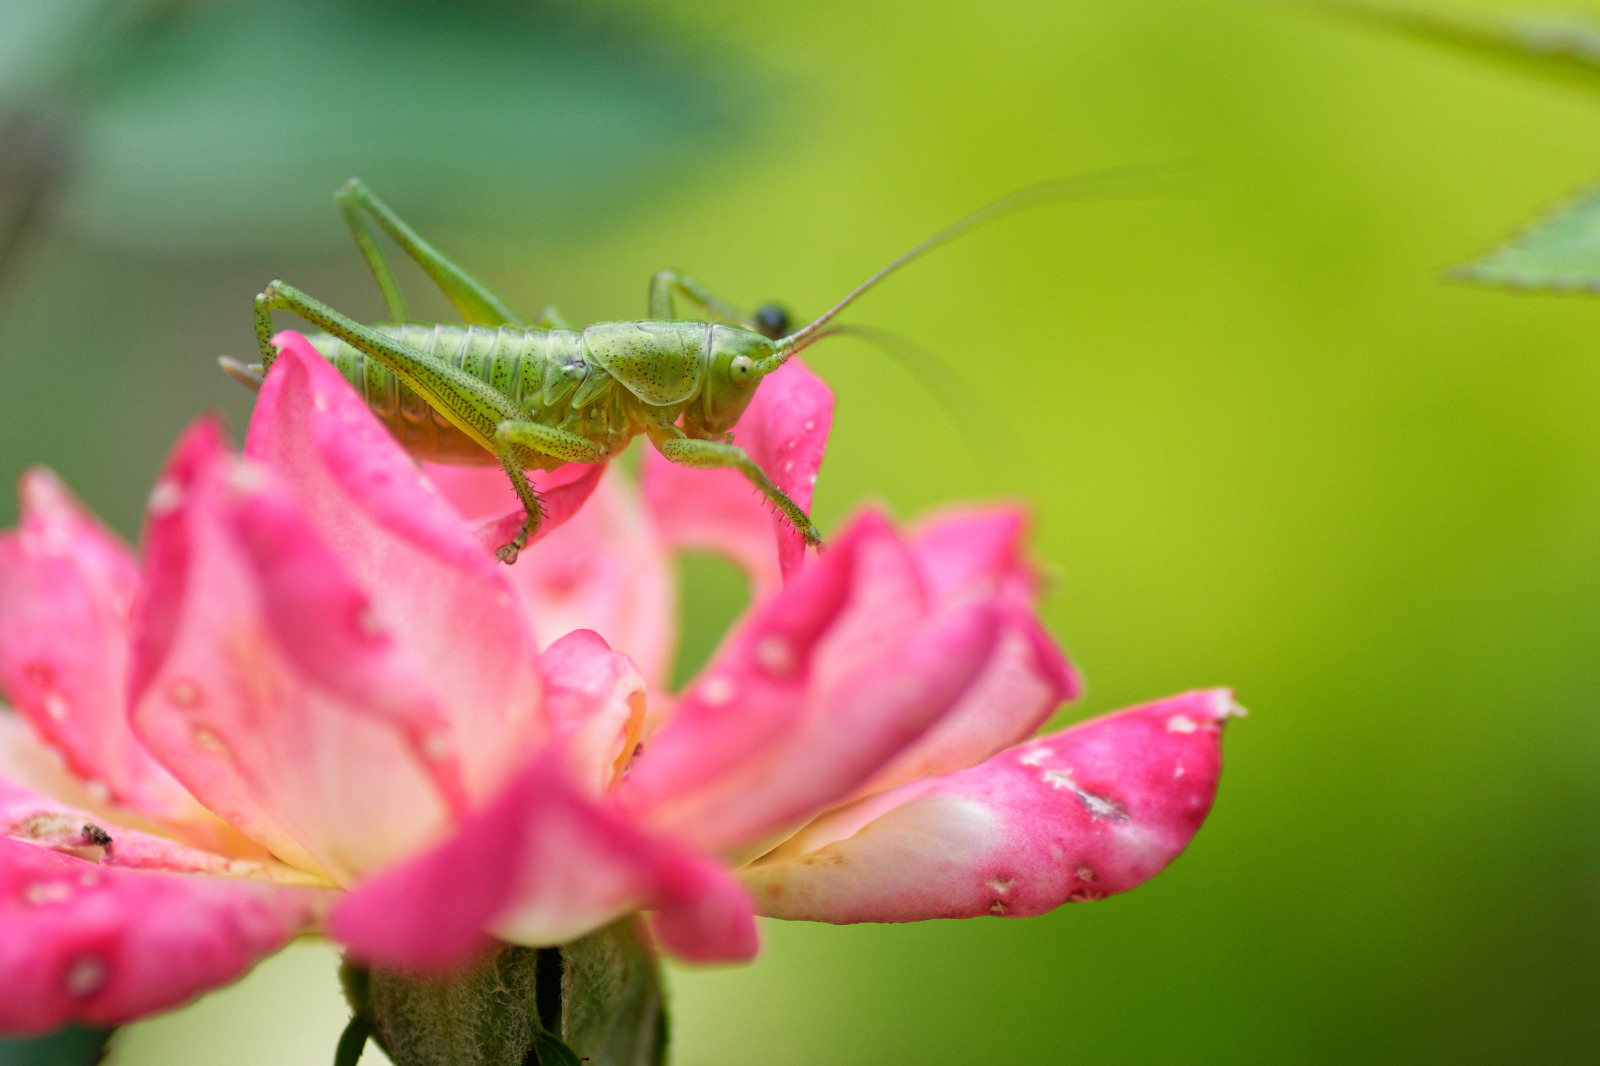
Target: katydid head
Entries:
(736, 363)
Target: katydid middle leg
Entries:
(675, 447)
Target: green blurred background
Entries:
(1266, 445)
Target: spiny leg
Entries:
(468, 403)
(690, 451)
(512, 436)
(470, 297)
(532, 509)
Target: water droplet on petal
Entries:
(319, 401)
(165, 497)
(41, 893)
(717, 691)
(56, 706)
(207, 740)
(86, 975)
(774, 654)
(369, 623)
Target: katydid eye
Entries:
(772, 321)
(741, 369)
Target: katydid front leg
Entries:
(677, 448)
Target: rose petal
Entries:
(484, 498)
(268, 691)
(605, 570)
(1077, 815)
(67, 587)
(825, 682)
(113, 838)
(1025, 679)
(785, 430)
(595, 700)
(443, 597)
(83, 943)
(541, 865)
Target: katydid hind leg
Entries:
(469, 296)
(690, 451)
(467, 402)
(361, 233)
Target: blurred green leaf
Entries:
(1561, 48)
(230, 128)
(72, 1046)
(1560, 252)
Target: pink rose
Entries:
(317, 703)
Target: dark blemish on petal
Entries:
(96, 836)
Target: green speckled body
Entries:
(558, 377)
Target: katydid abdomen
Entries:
(548, 373)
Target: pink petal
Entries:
(595, 700)
(979, 552)
(67, 587)
(605, 570)
(959, 547)
(83, 943)
(541, 865)
(785, 430)
(432, 585)
(484, 497)
(266, 686)
(822, 685)
(1076, 815)
(1024, 681)
(28, 816)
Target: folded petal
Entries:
(605, 570)
(785, 430)
(541, 865)
(968, 552)
(824, 683)
(595, 700)
(80, 942)
(268, 686)
(67, 587)
(432, 585)
(1076, 815)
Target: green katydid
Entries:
(537, 397)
